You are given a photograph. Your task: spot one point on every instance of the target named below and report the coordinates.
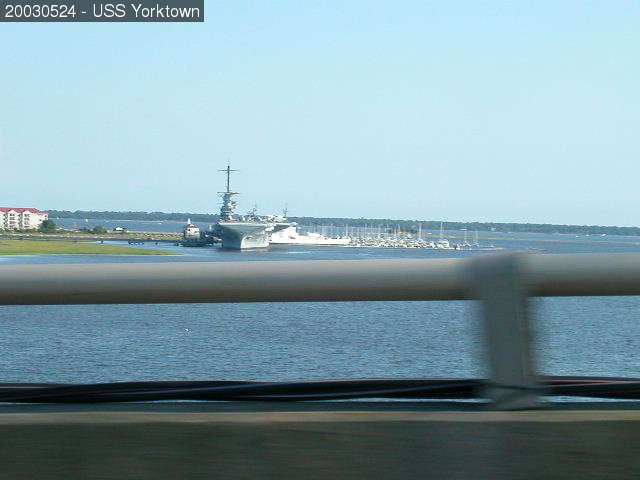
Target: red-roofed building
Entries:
(20, 218)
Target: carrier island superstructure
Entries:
(248, 231)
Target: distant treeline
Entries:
(385, 223)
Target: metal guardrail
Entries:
(503, 283)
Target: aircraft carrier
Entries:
(248, 231)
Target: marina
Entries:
(418, 240)
(413, 242)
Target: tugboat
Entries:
(190, 231)
(244, 232)
(193, 236)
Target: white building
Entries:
(14, 218)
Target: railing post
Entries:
(498, 283)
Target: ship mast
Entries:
(228, 204)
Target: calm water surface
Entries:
(271, 341)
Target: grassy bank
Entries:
(39, 247)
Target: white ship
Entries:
(249, 231)
(291, 236)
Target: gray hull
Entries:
(241, 236)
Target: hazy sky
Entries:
(523, 111)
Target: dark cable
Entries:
(419, 388)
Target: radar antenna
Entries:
(228, 172)
(228, 204)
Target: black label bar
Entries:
(98, 11)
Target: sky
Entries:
(453, 110)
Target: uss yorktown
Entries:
(247, 231)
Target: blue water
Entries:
(271, 341)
